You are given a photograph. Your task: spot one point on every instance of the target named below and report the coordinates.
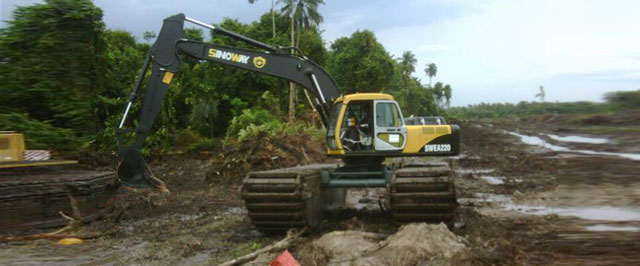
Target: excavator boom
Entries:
(164, 58)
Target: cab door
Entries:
(390, 132)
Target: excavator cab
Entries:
(385, 134)
(370, 124)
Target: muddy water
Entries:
(475, 171)
(578, 139)
(493, 180)
(537, 141)
(611, 228)
(365, 199)
(601, 213)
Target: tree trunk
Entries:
(306, 94)
(273, 19)
(292, 88)
(298, 37)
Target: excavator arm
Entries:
(164, 58)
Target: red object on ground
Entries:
(285, 259)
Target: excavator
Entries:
(363, 129)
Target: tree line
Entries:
(615, 102)
(65, 73)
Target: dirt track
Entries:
(520, 205)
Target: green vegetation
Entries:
(40, 135)
(50, 56)
(624, 99)
(615, 102)
(66, 82)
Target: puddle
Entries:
(363, 198)
(611, 228)
(603, 213)
(532, 140)
(475, 171)
(579, 139)
(494, 198)
(234, 210)
(201, 258)
(493, 180)
(600, 213)
(536, 141)
(188, 217)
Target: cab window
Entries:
(334, 115)
(387, 115)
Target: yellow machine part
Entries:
(420, 135)
(12, 153)
(11, 147)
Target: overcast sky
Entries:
(489, 51)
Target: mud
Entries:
(520, 204)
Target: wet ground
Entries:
(527, 197)
(594, 201)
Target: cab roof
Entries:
(364, 96)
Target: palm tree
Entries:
(541, 94)
(273, 16)
(408, 63)
(447, 94)
(438, 93)
(432, 71)
(303, 14)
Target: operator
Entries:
(366, 126)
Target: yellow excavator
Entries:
(363, 129)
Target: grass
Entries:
(241, 249)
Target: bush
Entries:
(251, 121)
(204, 144)
(624, 99)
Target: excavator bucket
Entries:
(133, 172)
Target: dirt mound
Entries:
(345, 244)
(420, 242)
(413, 243)
(264, 153)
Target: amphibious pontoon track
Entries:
(423, 193)
(34, 198)
(281, 199)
